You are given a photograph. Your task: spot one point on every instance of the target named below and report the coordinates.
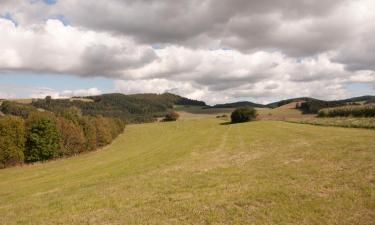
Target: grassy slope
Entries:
(197, 171)
(281, 113)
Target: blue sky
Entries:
(57, 82)
(22, 85)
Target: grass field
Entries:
(284, 112)
(198, 171)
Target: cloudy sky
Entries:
(214, 50)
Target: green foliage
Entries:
(17, 109)
(353, 111)
(103, 132)
(89, 130)
(46, 136)
(72, 113)
(43, 140)
(243, 114)
(12, 140)
(130, 108)
(171, 116)
(72, 139)
(313, 106)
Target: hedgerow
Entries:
(349, 111)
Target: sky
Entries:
(216, 51)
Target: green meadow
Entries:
(200, 170)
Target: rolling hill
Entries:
(130, 108)
(308, 105)
(238, 104)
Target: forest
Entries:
(31, 135)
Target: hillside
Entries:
(238, 104)
(288, 101)
(198, 171)
(130, 108)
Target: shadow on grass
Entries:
(226, 123)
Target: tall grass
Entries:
(349, 111)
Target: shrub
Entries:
(243, 114)
(103, 131)
(117, 126)
(172, 116)
(72, 113)
(43, 139)
(12, 141)
(89, 130)
(72, 139)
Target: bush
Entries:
(12, 141)
(172, 116)
(103, 131)
(72, 139)
(43, 139)
(243, 114)
(89, 130)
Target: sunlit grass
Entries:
(198, 171)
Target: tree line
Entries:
(349, 111)
(28, 135)
(313, 106)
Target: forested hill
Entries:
(287, 101)
(131, 108)
(239, 104)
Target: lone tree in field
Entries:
(243, 114)
(172, 116)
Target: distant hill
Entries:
(131, 108)
(287, 101)
(314, 105)
(239, 104)
(367, 99)
(168, 97)
(307, 105)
